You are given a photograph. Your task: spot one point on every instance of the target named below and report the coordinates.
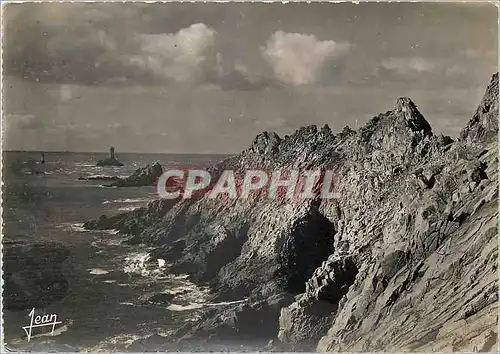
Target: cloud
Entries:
(459, 70)
(24, 121)
(409, 65)
(186, 56)
(71, 43)
(299, 59)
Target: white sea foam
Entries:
(98, 271)
(123, 339)
(83, 164)
(137, 263)
(130, 208)
(199, 305)
(161, 263)
(127, 200)
(179, 308)
(78, 227)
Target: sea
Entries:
(106, 307)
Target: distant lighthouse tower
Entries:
(112, 153)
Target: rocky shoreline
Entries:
(405, 259)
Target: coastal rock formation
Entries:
(111, 160)
(484, 123)
(33, 274)
(135, 222)
(144, 176)
(404, 259)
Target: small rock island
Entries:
(111, 160)
(145, 176)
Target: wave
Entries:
(78, 227)
(179, 308)
(84, 164)
(137, 263)
(127, 200)
(130, 208)
(98, 271)
(124, 339)
(199, 305)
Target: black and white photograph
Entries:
(249, 177)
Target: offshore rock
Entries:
(110, 161)
(145, 176)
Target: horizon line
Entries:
(122, 152)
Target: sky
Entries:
(206, 78)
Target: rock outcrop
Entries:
(32, 274)
(133, 223)
(404, 259)
(484, 123)
(144, 176)
(111, 160)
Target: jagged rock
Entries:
(145, 176)
(404, 259)
(332, 279)
(303, 323)
(162, 298)
(484, 123)
(266, 143)
(135, 222)
(33, 274)
(249, 325)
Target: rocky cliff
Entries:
(404, 259)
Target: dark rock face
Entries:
(303, 323)
(136, 222)
(484, 123)
(33, 274)
(145, 176)
(246, 325)
(404, 259)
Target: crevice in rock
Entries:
(304, 249)
(225, 252)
